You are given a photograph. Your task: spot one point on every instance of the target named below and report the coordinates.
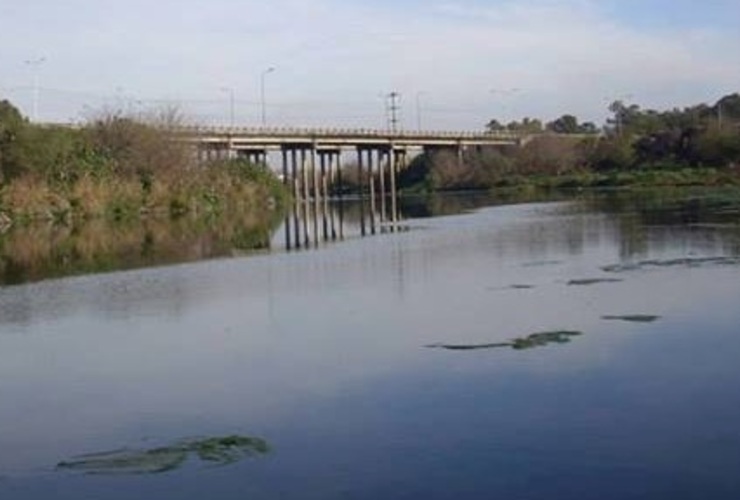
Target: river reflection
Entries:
(394, 366)
(45, 251)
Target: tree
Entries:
(495, 126)
(566, 124)
(527, 126)
(12, 128)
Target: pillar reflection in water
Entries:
(321, 211)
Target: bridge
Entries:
(311, 157)
(254, 143)
(311, 161)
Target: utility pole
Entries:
(393, 107)
(263, 103)
(35, 63)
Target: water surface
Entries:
(311, 374)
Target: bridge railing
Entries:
(282, 132)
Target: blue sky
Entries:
(456, 63)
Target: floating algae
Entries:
(634, 318)
(544, 338)
(517, 286)
(529, 342)
(592, 281)
(469, 347)
(218, 451)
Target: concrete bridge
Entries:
(254, 144)
(311, 161)
(247, 139)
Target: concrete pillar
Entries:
(295, 179)
(360, 184)
(394, 194)
(324, 185)
(305, 203)
(383, 160)
(373, 157)
(316, 195)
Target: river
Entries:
(582, 346)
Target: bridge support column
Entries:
(360, 188)
(374, 157)
(305, 204)
(284, 154)
(393, 159)
(385, 158)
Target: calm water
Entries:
(583, 348)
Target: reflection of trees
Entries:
(456, 203)
(540, 339)
(659, 217)
(42, 251)
(217, 450)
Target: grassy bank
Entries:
(118, 167)
(205, 191)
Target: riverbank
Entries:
(196, 191)
(643, 178)
(632, 179)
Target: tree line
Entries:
(695, 144)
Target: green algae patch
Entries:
(633, 318)
(217, 451)
(592, 281)
(544, 338)
(531, 341)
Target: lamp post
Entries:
(230, 90)
(262, 94)
(35, 63)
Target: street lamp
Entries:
(262, 94)
(230, 90)
(35, 63)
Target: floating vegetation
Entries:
(679, 262)
(514, 287)
(634, 318)
(530, 341)
(469, 347)
(218, 451)
(592, 281)
(544, 338)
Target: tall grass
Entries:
(121, 167)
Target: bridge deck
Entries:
(247, 138)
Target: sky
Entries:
(456, 64)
